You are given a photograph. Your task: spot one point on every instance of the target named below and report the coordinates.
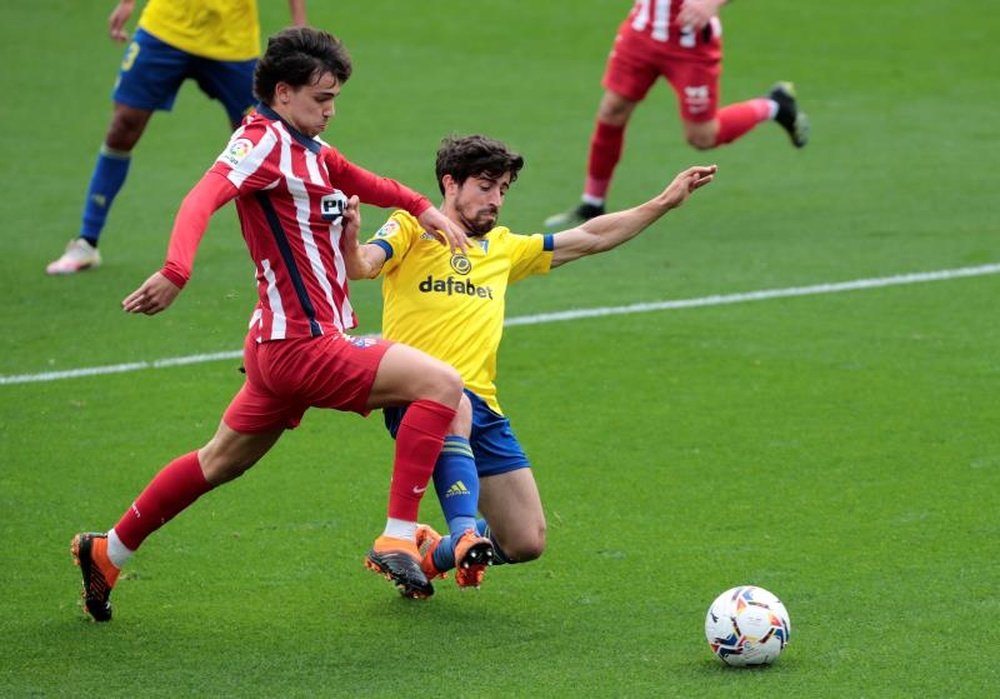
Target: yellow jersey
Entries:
(451, 306)
(223, 30)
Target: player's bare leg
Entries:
(126, 128)
(512, 506)
(101, 556)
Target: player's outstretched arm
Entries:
(605, 232)
(297, 9)
(159, 290)
(119, 16)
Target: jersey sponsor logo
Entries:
(331, 206)
(426, 235)
(389, 229)
(452, 287)
(460, 263)
(237, 150)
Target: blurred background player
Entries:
(214, 42)
(680, 40)
(296, 197)
(451, 305)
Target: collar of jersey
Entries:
(310, 143)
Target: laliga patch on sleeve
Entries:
(236, 151)
(388, 229)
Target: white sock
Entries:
(774, 109)
(400, 529)
(118, 552)
(592, 200)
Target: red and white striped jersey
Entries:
(292, 190)
(658, 20)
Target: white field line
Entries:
(539, 318)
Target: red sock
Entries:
(179, 484)
(418, 445)
(605, 151)
(736, 119)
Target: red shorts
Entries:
(637, 61)
(287, 377)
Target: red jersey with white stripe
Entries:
(292, 190)
(657, 21)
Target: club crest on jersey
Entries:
(460, 263)
(388, 229)
(331, 206)
(237, 150)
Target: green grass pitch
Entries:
(841, 450)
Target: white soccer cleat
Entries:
(79, 255)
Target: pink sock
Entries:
(179, 484)
(418, 445)
(605, 151)
(736, 119)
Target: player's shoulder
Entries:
(255, 124)
(502, 235)
(399, 223)
(498, 235)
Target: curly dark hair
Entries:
(463, 157)
(299, 56)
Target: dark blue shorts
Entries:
(494, 445)
(152, 71)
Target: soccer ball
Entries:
(747, 625)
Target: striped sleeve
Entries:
(372, 189)
(250, 160)
(204, 199)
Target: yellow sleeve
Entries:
(395, 237)
(529, 255)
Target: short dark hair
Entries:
(463, 157)
(299, 56)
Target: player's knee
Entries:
(614, 110)
(443, 384)
(701, 140)
(124, 131)
(462, 422)
(529, 546)
(452, 384)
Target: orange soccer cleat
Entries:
(90, 552)
(398, 561)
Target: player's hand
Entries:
(351, 222)
(446, 230)
(357, 258)
(697, 13)
(116, 22)
(155, 295)
(685, 183)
